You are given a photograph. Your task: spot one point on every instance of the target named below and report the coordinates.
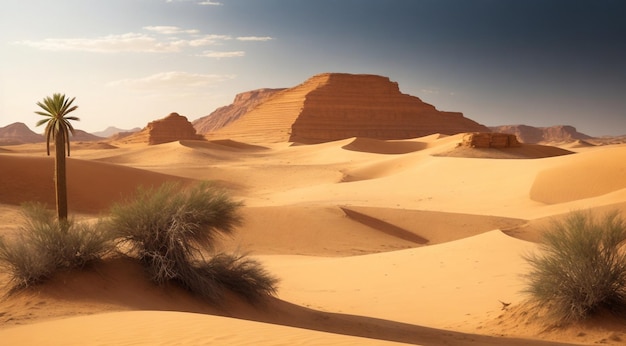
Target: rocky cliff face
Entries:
(490, 140)
(242, 104)
(552, 134)
(333, 106)
(172, 128)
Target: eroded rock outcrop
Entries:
(490, 140)
(242, 104)
(333, 106)
(172, 128)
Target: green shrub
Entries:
(44, 246)
(581, 268)
(171, 229)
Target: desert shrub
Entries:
(45, 245)
(237, 273)
(172, 229)
(581, 268)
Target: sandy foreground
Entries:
(375, 242)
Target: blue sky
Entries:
(128, 62)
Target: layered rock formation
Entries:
(490, 140)
(172, 128)
(552, 134)
(333, 106)
(242, 104)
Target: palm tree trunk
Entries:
(59, 175)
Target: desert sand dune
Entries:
(92, 186)
(526, 151)
(227, 143)
(384, 147)
(377, 239)
(121, 286)
(582, 176)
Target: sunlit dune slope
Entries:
(580, 176)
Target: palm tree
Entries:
(58, 128)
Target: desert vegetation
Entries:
(170, 229)
(45, 245)
(581, 267)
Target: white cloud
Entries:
(254, 38)
(169, 30)
(174, 80)
(130, 42)
(157, 39)
(219, 55)
(208, 40)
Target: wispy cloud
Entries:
(254, 38)
(208, 40)
(170, 30)
(155, 39)
(174, 80)
(219, 55)
(130, 42)
(200, 2)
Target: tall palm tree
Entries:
(58, 128)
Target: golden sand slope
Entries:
(375, 239)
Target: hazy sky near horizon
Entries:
(128, 62)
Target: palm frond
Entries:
(57, 122)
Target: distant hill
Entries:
(80, 135)
(333, 106)
(18, 133)
(111, 130)
(552, 134)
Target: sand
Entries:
(375, 242)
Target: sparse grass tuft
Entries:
(44, 246)
(581, 268)
(237, 273)
(170, 229)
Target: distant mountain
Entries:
(111, 130)
(19, 133)
(80, 135)
(552, 134)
